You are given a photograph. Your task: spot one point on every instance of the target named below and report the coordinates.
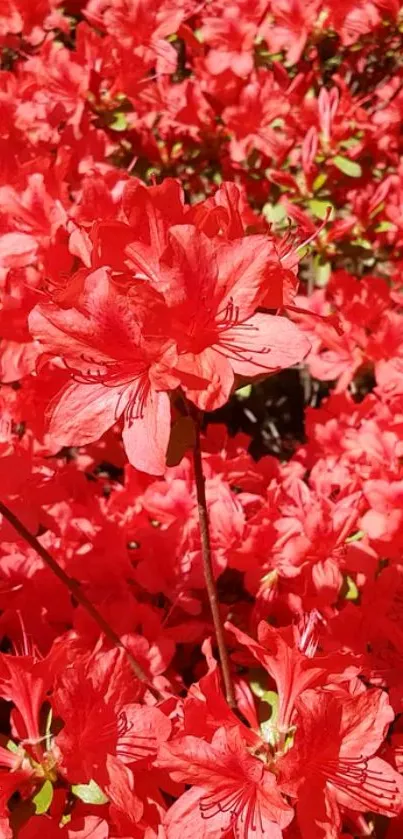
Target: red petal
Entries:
(82, 413)
(146, 437)
(262, 344)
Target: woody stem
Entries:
(74, 589)
(208, 567)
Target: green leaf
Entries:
(320, 208)
(322, 271)
(12, 747)
(120, 122)
(347, 166)
(319, 181)
(384, 227)
(363, 243)
(350, 142)
(355, 537)
(278, 122)
(352, 592)
(243, 393)
(274, 213)
(65, 819)
(89, 793)
(43, 798)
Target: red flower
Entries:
(117, 368)
(331, 763)
(170, 307)
(232, 790)
(293, 21)
(213, 295)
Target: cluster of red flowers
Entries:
(195, 195)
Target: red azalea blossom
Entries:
(232, 790)
(191, 323)
(333, 760)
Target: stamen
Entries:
(351, 775)
(235, 355)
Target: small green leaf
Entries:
(322, 271)
(320, 208)
(350, 142)
(384, 227)
(89, 793)
(363, 243)
(65, 819)
(319, 181)
(43, 798)
(12, 747)
(278, 122)
(120, 122)
(355, 537)
(274, 213)
(243, 393)
(347, 166)
(352, 592)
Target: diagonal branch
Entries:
(76, 590)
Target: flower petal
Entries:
(184, 818)
(146, 437)
(213, 370)
(82, 413)
(262, 344)
(245, 273)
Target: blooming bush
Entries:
(201, 419)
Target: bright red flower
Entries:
(213, 296)
(252, 119)
(332, 762)
(120, 366)
(293, 21)
(232, 790)
(175, 308)
(351, 19)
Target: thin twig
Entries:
(74, 589)
(208, 567)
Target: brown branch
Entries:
(74, 589)
(208, 566)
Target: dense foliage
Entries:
(201, 223)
